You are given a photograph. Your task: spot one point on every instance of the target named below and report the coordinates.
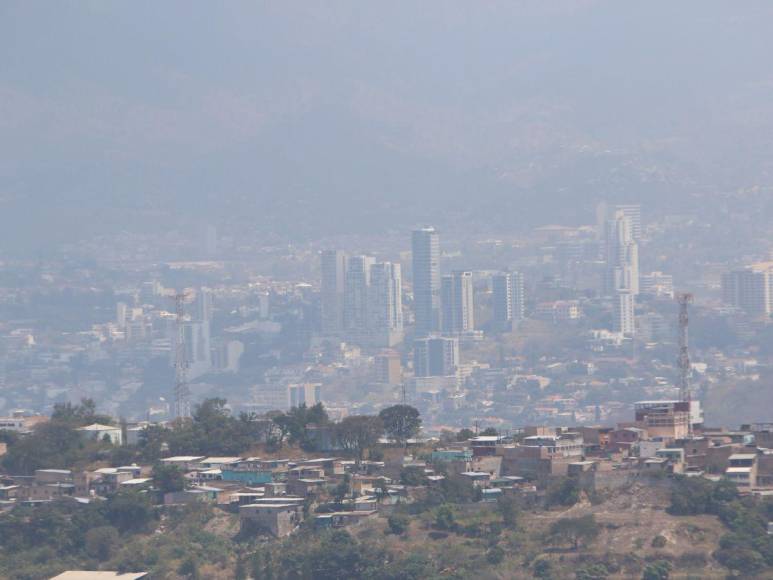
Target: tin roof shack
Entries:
(742, 470)
(277, 518)
(539, 457)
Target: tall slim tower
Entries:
(425, 247)
(458, 306)
(182, 394)
(356, 291)
(385, 303)
(622, 256)
(508, 299)
(333, 269)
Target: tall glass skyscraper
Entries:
(425, 247)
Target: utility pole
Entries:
(685, 369)
(182, 393)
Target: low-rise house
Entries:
(184, 462)
(342, 519)
(742, 470)
(278, 518)
(100, 575)
(305, 487)
(476, 478)
(99, 432)
(220, 462)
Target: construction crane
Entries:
(683, 361)
(182, 394)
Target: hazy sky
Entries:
(292, 114)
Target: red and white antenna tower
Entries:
(685, 369)
(182, 394)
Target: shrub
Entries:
(659, 541)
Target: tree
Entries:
(168, 478)
(398, 523)
(444, 518)
(574, 531)
(465, 434)
(596, 571)
(489, 432)
(341, 490)
(495, 555)
(413, 475)
(101, 542)
(543, 569)
(660, 570)
(564, 491)
(84, 413)
(507, 507)
(130, 511)
(189, 569)
(401, 422)
(358, 433)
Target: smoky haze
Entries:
(288, 117)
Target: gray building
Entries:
(458, 304)
(425, 246)
(435, 356)
(508, 299)
(333, 270)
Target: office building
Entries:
(333, 270)
(750, 289)
(632, 211)
(385, 304)
(621, 256)
(624, 313)
(425, 246)
(508, 299)
(657, 284)
(457, 301)
(356, 294)
(435, 356)
(388, 369)
(308, 394)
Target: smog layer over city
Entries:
(393, 290)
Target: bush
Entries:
(659, 541)
(398, 523)
(659, 570)
(564, 491)
(543, 569)
(495, 555)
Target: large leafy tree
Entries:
(574, 531)
(401, 422)
(358, 433)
